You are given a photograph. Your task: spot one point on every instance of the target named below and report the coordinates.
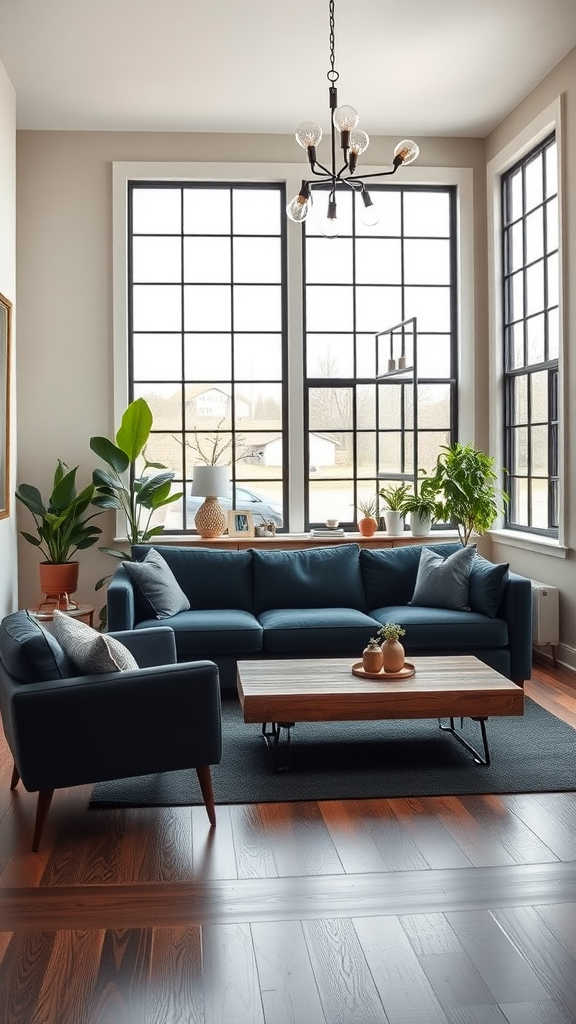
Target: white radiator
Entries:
(545, 616)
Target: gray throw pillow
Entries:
(156, 586)
(92, 652)
(443, 582)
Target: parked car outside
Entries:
(263, 508)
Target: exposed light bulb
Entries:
(345, 118)
(308, 134)
(405, 152)
(297, 209)
(369, 214)
(359, 141)
(329, 226)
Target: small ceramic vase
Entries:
(372, 658)
(392, 656)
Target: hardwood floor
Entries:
(440, 910)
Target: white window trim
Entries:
(292, 174)
(548, 120)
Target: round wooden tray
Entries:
(405, 672)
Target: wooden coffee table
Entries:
(281, 693)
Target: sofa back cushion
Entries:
(324, 577)
(209, 578)
(30, 653)
(389, 574)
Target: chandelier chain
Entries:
(332, 75)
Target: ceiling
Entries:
(410, 67)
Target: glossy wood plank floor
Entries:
(443, 910)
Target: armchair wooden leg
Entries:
(15, 778)
(205, 780)
(42, 808)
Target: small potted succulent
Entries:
(392, 650)
(368, 523)
(422, 507)
(394, 497)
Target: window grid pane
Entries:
(208, 336)
(356, 286)
(530, 331)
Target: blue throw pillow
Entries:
(389, 574)
(444, 582)
(156, 586)
(487, 583)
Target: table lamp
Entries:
(210, 483)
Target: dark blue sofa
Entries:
(327, 602)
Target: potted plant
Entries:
(62, 528)
(392, 650)
(368, 523)
(422, 507)
(394, 497)
(465, 481)
(119, 488)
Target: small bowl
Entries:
(332, 523)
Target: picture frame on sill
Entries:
(240, 523)
(5, 342)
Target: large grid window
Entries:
(357, 286)
(530, 222)
(207, 336)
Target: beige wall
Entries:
(8, 575)
(559, 572)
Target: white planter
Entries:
(420, 525)
(394, 522)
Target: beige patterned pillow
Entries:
(92, 652)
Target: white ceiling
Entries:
(410, 67)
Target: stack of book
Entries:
(327, 531)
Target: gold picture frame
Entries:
(240, 523)
(5, 347)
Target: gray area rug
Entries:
(354, 760)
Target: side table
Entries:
(84, 612)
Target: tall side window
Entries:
(357, 286)
(207, 328)
(530, 221)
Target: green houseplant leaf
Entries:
(62, 525)
(466, 482)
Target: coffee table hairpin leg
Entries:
(478, 758)
(280, 761)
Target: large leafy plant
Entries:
(138, 497)
(465, 481)
(62, 526)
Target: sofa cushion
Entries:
(30, 653)
(389, 574)
(443, 629)
(92, 652)
(210, 578)
(157, 591)
(487, 584)
(208, 633)
(444, 582)
(324, 577)
(294, 632)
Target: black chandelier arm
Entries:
(380, 174)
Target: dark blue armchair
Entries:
(65, 729)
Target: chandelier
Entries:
(353, 142)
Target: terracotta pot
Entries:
(57, 580)
(392, 656)
(367, 526)
(372, 658)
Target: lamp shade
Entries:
(210, 481)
